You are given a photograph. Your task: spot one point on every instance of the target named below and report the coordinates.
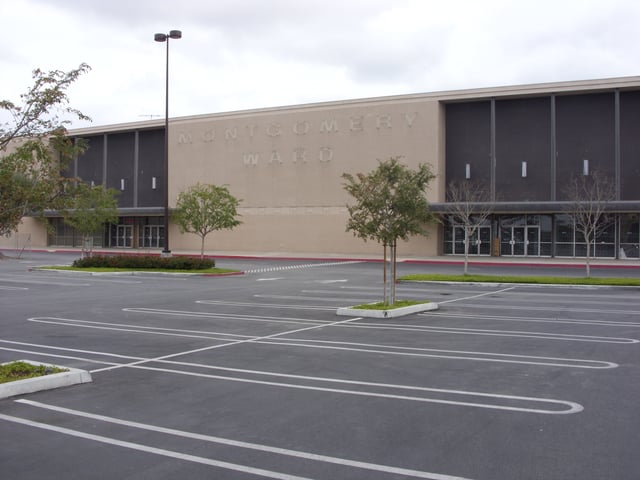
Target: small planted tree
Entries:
(89, 209)
(390, 204)
(588, 197)
(468, 205)
(203, 209)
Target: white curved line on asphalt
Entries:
(344, 346)
(138, 363)
(246, 445)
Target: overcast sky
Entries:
(244, 54)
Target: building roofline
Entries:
(447, 96)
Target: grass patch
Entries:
(214, 270)
(11, 372)
(386, 306)
(438, 277)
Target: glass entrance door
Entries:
(153, 236)
(520, 241)
(479, 241)
(533, 241)
(122, 236)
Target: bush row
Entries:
(145, 261)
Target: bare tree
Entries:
(588, 197)
(468, 205)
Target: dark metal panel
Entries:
(585, 131)
(468, 141)
(554, 151)
(630, 145)
(150, 165)
(617, 143)
(492, 150)
(120, 163)
(89, 164)
(523, 134)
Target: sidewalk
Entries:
(323, 256)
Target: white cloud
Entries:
(238, 54)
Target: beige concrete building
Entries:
(286, 165)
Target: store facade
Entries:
(522, 144)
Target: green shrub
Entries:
(20, 370)
(144, 262)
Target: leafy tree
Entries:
(34, 149)
(89, 208)
(588, 197)
(202, 209)
(390, 204)
(468, 205)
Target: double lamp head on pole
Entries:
(163, 37)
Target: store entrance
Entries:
(153, 236)
(479, 241)
(122, 236)
(520, 241)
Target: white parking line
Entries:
(497, 333)
(252, 318)
(511, 318)
(247, 445)
(123, 327)
(338, 345)
(437, 314)
(153, 450)
(509, 399)
(570, 407)
(301, 266)
(229, 344)
(544, 308)
(471, 297)
(265, 305)
(52, 281)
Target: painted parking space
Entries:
(250, 379)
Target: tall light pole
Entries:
(164, 37)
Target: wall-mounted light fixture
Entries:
(524, 170)
(153, 183)
(467, 171)
(122, 184)
(585, 167)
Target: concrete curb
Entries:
(46, 382)
(392, 313)
(135, 273)
(562, 262)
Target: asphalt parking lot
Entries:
(254, 376)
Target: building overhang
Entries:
(123, 212)
(534, 207)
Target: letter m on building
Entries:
(329, 126)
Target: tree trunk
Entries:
(588, 260)
(202, 248)
(392, 255)
(385, 299)
(87, 245)
(466, 251)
